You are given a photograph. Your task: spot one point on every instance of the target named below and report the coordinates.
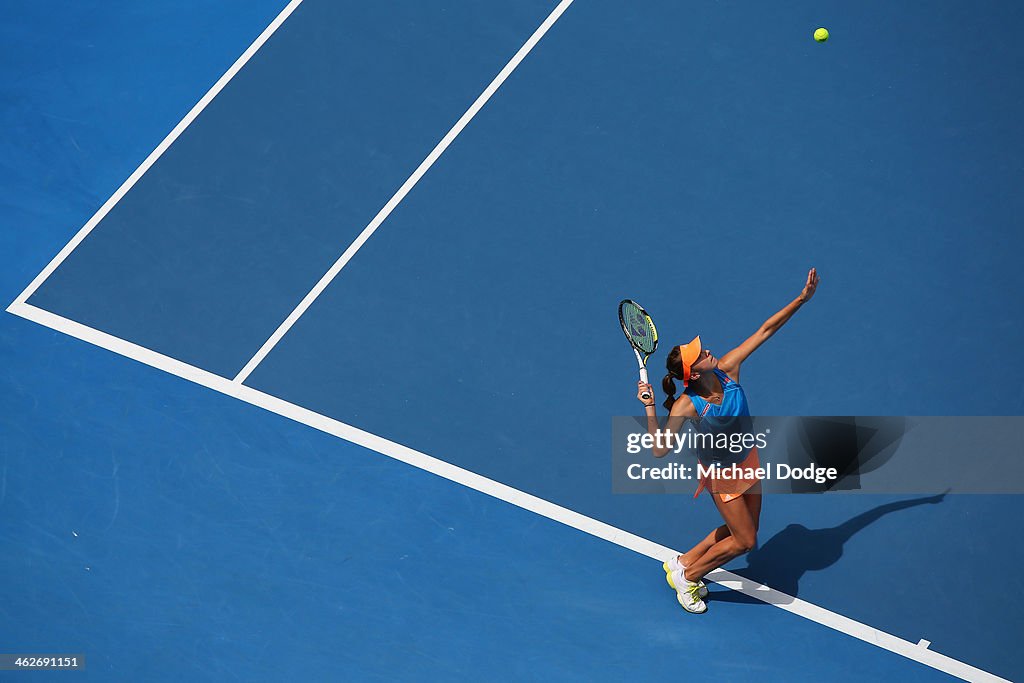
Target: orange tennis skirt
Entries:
(730, 489)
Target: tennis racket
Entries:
(641, 333)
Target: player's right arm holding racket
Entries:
(682, 410)
(639, 329)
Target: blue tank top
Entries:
(734, 401)
(731, 416)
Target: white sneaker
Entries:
(673, 564)
(687, 592)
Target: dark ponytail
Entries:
(669, 387)
(674, 365)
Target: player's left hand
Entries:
(812, 285)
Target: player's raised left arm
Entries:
(730, 362)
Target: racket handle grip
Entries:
(643, 378)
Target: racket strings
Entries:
(639, 328)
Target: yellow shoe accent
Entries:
(668, 577)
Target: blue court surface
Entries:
(324, 390)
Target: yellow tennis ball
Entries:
(821, 35)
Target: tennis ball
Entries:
(821, 35)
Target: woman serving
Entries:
(711, 389)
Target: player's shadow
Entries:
(783, 559)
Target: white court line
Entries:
(918, 652)
(158, 152)
(402, 191)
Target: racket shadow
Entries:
(782, 560)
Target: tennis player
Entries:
(711, 388)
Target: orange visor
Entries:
(688, 355)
